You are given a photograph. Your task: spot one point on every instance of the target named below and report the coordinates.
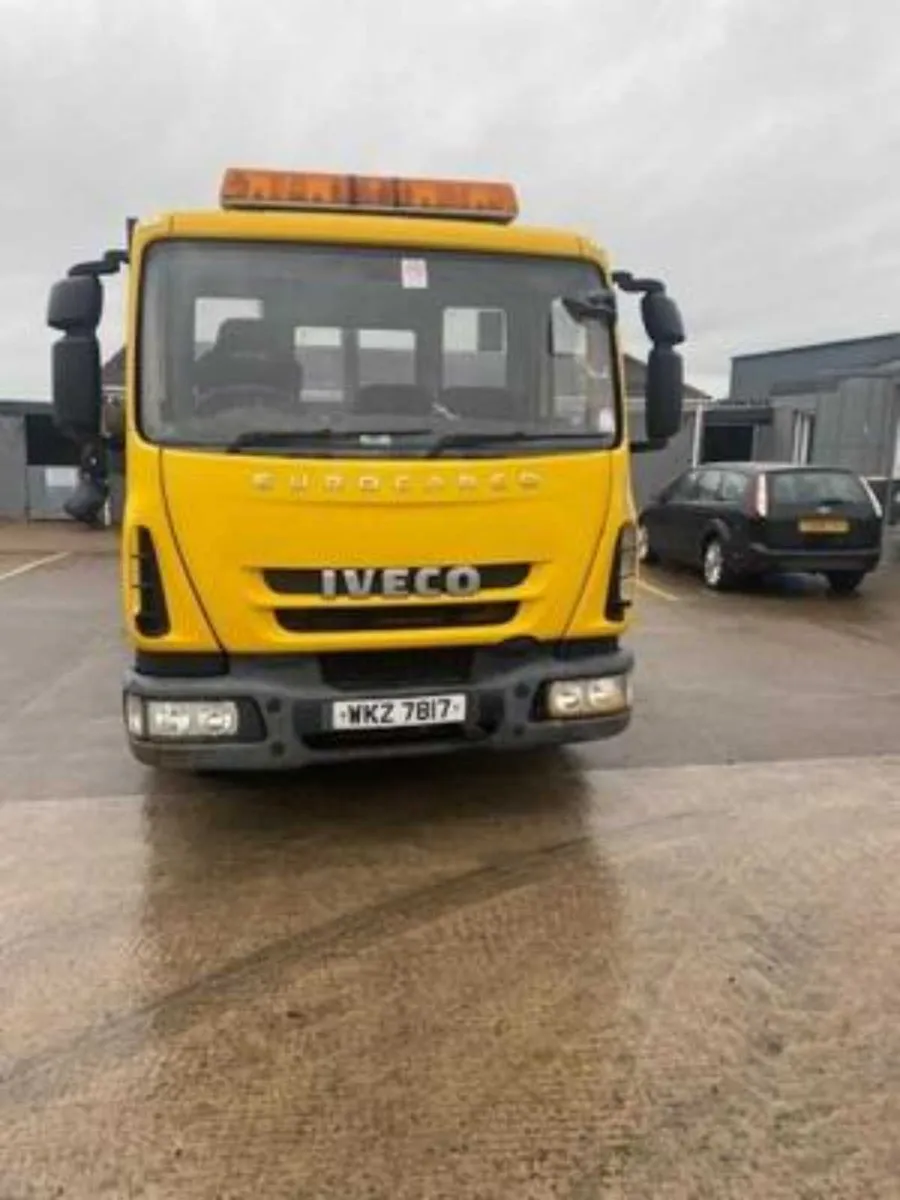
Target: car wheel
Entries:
(716, 574)
(646, 553)
(844, 583)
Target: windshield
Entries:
(371, 351)
(817, 487)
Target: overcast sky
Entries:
(748, 151)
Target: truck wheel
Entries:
(845, 583)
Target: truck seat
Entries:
(247, 352)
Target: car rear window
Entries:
(817, 487)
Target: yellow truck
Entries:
(377, 495)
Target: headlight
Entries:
(181, 720)
(134, 715)
(581, 698)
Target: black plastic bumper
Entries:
(286, 706)
(813, 562)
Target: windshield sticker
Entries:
(414, 272)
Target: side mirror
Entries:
(76, 386)
(75, 304)
(665, 387)
(665, 371)
(662, 319)
(75, 307)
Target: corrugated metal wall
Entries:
(853, 425)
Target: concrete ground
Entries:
(664, 967)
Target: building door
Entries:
(727, 443)
(804, 429)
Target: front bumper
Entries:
(287, 702)
(759, 558)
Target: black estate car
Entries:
(736, 520)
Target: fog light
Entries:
(565, 699)
(134, 715)
(608, 695)
(182, 720)
(574, 698)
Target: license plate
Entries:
(824, 525)
(401, 713)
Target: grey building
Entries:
(755, 376)
(38, 466)
(834, 404)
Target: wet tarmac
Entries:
(666, 966)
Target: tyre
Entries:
(845, 583)
(716, 573)
(646, 553)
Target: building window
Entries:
(804, 429)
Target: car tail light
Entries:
(877, 506)
(760, 503)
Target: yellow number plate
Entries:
(824, 525)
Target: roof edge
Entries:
(841, 342)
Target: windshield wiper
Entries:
(472, 439)
(263, 439)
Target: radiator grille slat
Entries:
(388, 617)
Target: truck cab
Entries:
(377, 471)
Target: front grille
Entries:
(307, 581)
(443, 666)
(388, 617)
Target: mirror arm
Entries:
(647, 445)
(109, 264)
(643, 287)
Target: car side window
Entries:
(682, 489)
(734, 487)
(709, 485)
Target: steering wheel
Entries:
(245, 395)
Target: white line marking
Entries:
(33, 566)
(658, 591)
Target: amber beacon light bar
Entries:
(301, 190)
